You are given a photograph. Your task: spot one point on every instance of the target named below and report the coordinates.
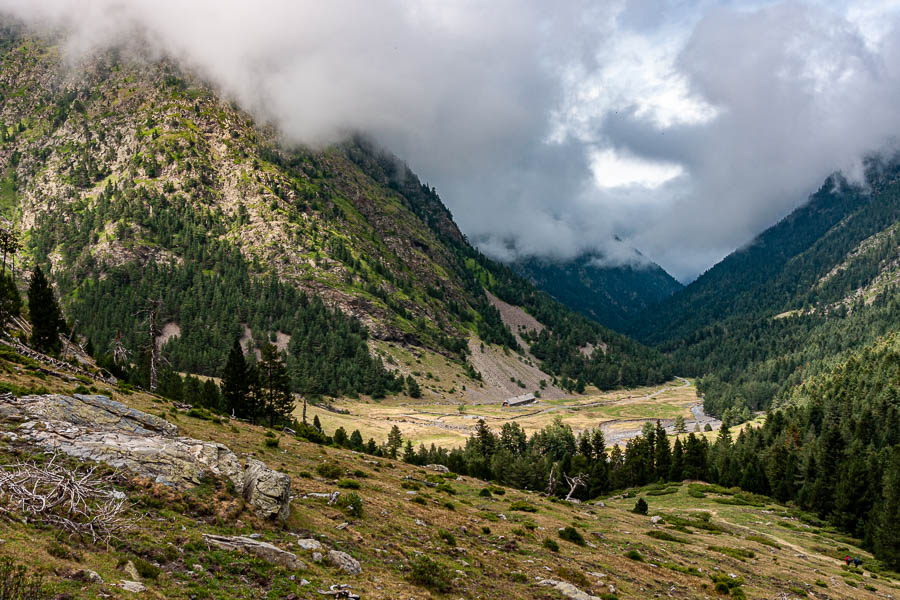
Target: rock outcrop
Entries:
(264, 550)
(98, 429)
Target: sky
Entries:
(681, 128)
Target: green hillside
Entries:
(135, 183)
(610, 295)
(804, 293)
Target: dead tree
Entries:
(575, 483)
(552, 480)
(119, 351)
(68, 341)
(152, 312)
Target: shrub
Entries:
(446, 488)
(449, 505)
(634, 555)
(530, 526)
(410, 485)
(485, 493)
(738, 553)
(360, 473)
(419, 500)
(351, 503)
(350, 484)
(430, 574)
(146, 569)
(517, 577)
(271, 442)
(497, 491)
(448, 537)
(485, 530)
(523, 506)
(640, 507)
(550, 544)
(17, 584)
(667, 537)
(570, 534)
(329, 470)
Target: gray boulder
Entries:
(98, 429)
(344, 562)
(263, 550)
(568, 590)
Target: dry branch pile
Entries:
(77, 500)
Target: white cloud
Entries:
(685, 128)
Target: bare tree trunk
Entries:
(574, 484)
(154, 347)
(304, 410)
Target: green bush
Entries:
(448, 537)
(517, 577)
(640, 507)
(350, 484)
(550, 544)
(523, 506)
(329, 470)
(419, 500)
(446, 488)
(570, 534)
(667, 537)
(738, 553)
(430, 574)
(485, 493)
(634, 555)
(485, 530)
(146, 569)
(351, 503)
(410, 485)
(17, 584)
(271, 442)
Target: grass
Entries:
(413, 560)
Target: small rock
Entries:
(264, 550)
(254, 536)
(438, 468)
(342, 526)
(133, 586)
(420, 523)
(309, 544)
(87, 575)
(655, 519)
(304, 582)
(317, 557)
(197, 568)
(344, 562)
(130, 570)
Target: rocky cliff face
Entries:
(98, 429)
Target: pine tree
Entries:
(275, 385)
(412, 387)
(676, 470)
(663, 458)
(356, 441)
(236, 383)
(10, 301)
(409, 455)
(316, 423)
(44, 312)
(887, 521)
(394, 441)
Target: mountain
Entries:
(609, 294)
(141, 191)
(803, 294)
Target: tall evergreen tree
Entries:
(44, 312)
(887, 521)
(277, 402)
(10, 301)
(663, 458)
(236, 383)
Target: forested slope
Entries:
(132, 182)
(804, 293)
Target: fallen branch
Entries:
(78, 501)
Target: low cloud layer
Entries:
(683, 128)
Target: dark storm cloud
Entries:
(505, 106)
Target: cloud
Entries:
(683, 128)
